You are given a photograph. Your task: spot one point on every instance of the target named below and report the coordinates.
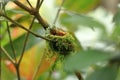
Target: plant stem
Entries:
(79, 76)
(25, 42)
(13, 62)
(23, 27)
(29, 3)
(41, 21)
(10, 39)
(38, 67)
(7, 54)
(22, 5)
(37, 4)
(11, 43)
(34, 12)
(58, 12)
(40, 4)
(17, 71)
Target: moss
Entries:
(63, 45)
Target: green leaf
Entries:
(106, 73)
(72, 20)
(19, 42)
(3, 33)
(84, 59)
(81, 6)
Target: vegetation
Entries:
(39, 40)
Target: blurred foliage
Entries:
(74, 16)
(85, 59)
(106, 73)
(7, 72)
(81, 6)
(72, 21)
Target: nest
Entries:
(63, 45)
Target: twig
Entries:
(10, 39)
(37, 4)
(7, 54)
(25, 42)
(40, 4)
(79, 76)
(29, 3)
(11, 43)
(24, 27)
(38, 67)
(41, 21)
(17, 71)
(34, 12)
(58, 12)
(22, 5)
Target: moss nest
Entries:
(63, 45)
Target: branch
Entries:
(37, 4)
(79, 76)
(25, 42)
(22, 6)
(40, 4)
(41, 21)
(58, 11)
(10, 39)
(23, 27)
(11, 43)
(34, 12)
(38, 67)
(8, 56)
(29, 3)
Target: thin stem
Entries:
(24, 27)
(58, 12)
(11, 43)
(17, 71)
(10, 39)
(12, 60)
(38, 67)
(41, 21)
(29, 3)
(22, 5)
(37, 4)
(33, 12)
(40, 4)
(25, 42)
(7, 54)
(79, 76)
(22, 54)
